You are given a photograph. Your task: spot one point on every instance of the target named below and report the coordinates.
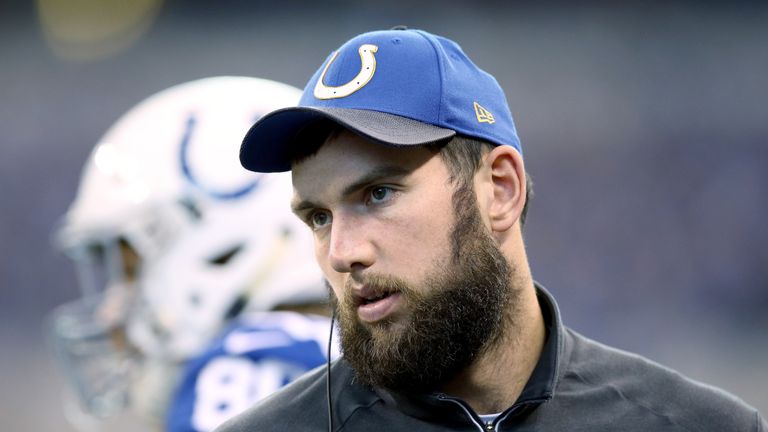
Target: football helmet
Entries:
(172, 238)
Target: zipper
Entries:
(494, 425)
(512, 410)
(482, 427)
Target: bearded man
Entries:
(408, 169)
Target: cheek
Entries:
(420, 237)
(334, 278)
(321, 257)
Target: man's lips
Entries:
(379, 308)
(374, 305)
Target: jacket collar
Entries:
(541, 384)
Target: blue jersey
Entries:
(251, 359)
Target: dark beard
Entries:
(456, 314)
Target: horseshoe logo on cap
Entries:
(367, 68)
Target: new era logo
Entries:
(483, 115)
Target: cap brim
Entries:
(267, 146)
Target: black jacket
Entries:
(578, 385)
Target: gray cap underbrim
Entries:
(267, 145)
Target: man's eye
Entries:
(380, 194)
(319, 219)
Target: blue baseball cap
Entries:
(398, 87)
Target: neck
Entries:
(494, 381)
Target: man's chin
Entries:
(387, 327)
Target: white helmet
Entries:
(164, 188)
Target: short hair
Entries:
(308, 140)
(463, 155)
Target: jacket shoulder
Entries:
(657, 390)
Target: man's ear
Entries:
(508, 180)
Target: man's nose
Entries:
(350, 245)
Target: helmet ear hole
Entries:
(224, 258)
(237, 307)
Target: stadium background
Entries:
(643, 125)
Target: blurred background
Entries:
(643, 124)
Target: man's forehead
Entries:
(346, 159)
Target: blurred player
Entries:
(179, 253)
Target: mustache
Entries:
(376, 284)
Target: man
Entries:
(184, 255)
(408, 169)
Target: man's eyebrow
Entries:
(373, 176)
